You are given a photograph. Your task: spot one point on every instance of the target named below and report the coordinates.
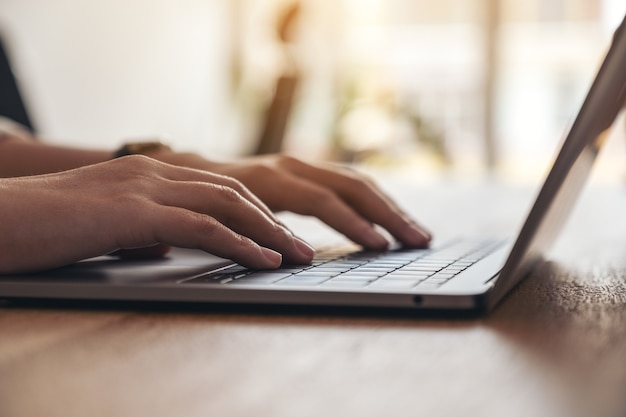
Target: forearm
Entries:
(21, 155)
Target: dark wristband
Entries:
(139, 148)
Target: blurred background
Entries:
(423, 88)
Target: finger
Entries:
(188, 229)
(368, 200)
(189, 174)
(308, 198)
(377, 207)
(234, 211)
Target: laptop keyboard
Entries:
(420, 269)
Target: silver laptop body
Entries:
(462, 276)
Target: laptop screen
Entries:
(605, 100)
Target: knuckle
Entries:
(265, 172)
(353, 174)
(132, 181)
(234, 184)
(277, 229)
(288, 162)
(204, 225)
(227, 194)
(205, 231)
(241, 242)
(136, 162)
(212, 231)
(355, 181)
(134, 168)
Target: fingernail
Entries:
(274, 258)
(304, 247)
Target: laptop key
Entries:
(353, 277)
(360, 275)
(261, 278)
(413, 267)
(323, 268)
(212, 278)
(410, 273)
(302, 279)
(376, 272)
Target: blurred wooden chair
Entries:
(271, 138)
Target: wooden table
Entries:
(555, 347)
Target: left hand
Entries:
(342, 198)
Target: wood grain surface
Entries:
(556, 346)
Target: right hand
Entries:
(134, 202)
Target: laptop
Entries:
(464, 276)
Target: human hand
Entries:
(135, 202)
(341, 197)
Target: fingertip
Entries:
(423, 231)
(305, 249)
(374, 240)
(415, 236)
(273, 259)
